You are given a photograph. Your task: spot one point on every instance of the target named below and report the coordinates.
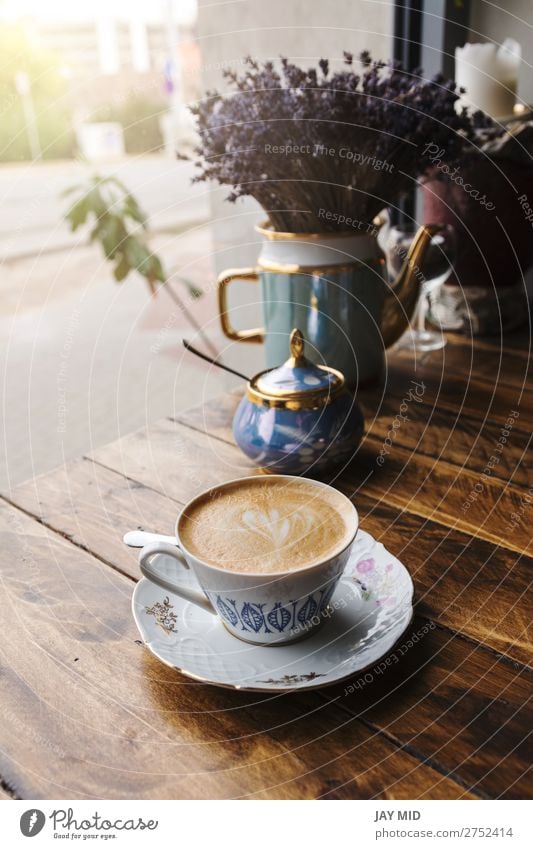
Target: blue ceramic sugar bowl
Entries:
(299, 418)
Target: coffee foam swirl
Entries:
(267, 525)
(275, 526)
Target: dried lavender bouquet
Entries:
(304, 141)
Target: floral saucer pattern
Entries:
(369, 611)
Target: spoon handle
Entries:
(138, 539)
(214, 362)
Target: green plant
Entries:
(120, 226)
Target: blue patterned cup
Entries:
(263, 608)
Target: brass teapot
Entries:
(335, 287)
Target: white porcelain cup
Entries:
(260, 608)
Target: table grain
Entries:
(87, 712)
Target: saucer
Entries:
(369, 611)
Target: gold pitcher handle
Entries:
(402, 295)
(256, 334)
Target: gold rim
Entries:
(298, 360)
(317, 270)
(265, 229)
(295, 401)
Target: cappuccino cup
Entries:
(267, 553)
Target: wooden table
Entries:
(88, 712)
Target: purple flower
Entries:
(300, 141)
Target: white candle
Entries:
(490, 76)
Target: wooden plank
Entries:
(462, 709)
(214, 418)
(430, 430)
(466, 584)
(94, 507)
(492, 362)
(175, 460)
(5, 796)
(88, 713)
(455, 438)
(484, 611)
(454, 661)
(433, 489)
(439, 491)
(462, 391)
(463, 583)
(520, 340)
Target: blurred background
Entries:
(103, 89)
(86, 89)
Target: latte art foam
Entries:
(274, 526)
(264, 525)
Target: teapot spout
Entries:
(402, 295)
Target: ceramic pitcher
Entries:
(333, 287)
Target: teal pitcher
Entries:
(334, 287)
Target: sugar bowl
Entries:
(298, 418)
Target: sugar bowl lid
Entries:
(298, 383)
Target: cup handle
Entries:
(149, 570)
(257, 334)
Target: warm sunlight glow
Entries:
(65, 10)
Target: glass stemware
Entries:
(435, 270)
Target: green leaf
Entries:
(110, 245)
(114, 208)
(111, 234)
(140, 258)
(97, 203)
(136, 252)
(114, 181)
(78, 212)
(122, 268)
(70, 190)
(132, 208)
(155, 269)
(194, 291)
